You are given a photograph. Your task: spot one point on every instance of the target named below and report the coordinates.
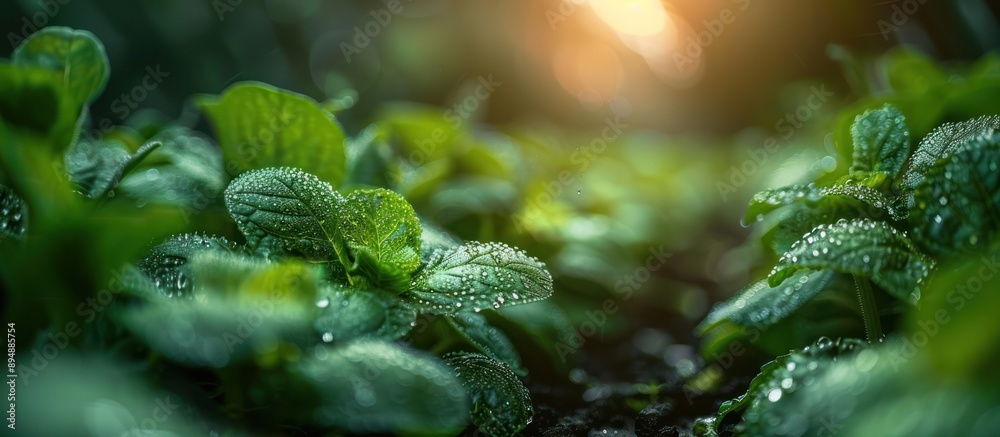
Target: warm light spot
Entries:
(632, 17)
(592, 73)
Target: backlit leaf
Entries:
(260, 126)
(383, 234)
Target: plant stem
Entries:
(869, 311)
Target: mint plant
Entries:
(886, 225)
(323, 294)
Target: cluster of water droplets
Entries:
(13, 214)
(383, 224)
(861, 246)
(166, 264)
(942, 141)
(959, 198)
(477, 276)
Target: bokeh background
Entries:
(618, 141)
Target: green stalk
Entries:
(869, 311)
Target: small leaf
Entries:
(860, 247)
(490, 340)
(881, 141)
(768, 201)
(186, 170)
(759, 305)
(959, 199)
(757, 385)
(480, 275)
(501, 405)
(13, 215)
(167, 267)
(346, 314)
(219, 273)
(289, 209)
(383, 234)
(941, 142)
(260, 126)
(369, 386)
(77, 54)
(97, 167)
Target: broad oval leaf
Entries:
(490, 340)
(501, 405)
(77, 54)
(13, 215)
(346, 314)
(383, 234)
(759, 305)
(881, 141)
(370, 386)
(861, 247)
(260, 126)
(479, 275)
(167, 266)
(288, 209)
(942, 141)
(960, 199)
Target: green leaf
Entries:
(186, 170)
(97, 167)
(881, 141)
(369, 386)
(959, 200)
(13, 215)
(346, 314)
(77, 54)
(768, 201)
(757, 385)
(167, 267)
(501, 405)
(861, 247)
(259, 126)
(242, 308)
(775, 391)
(288, 209)
(30, 99)
(383, 235)
(480, 275)
(759, 305)
(941, 142)
(488, 339)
